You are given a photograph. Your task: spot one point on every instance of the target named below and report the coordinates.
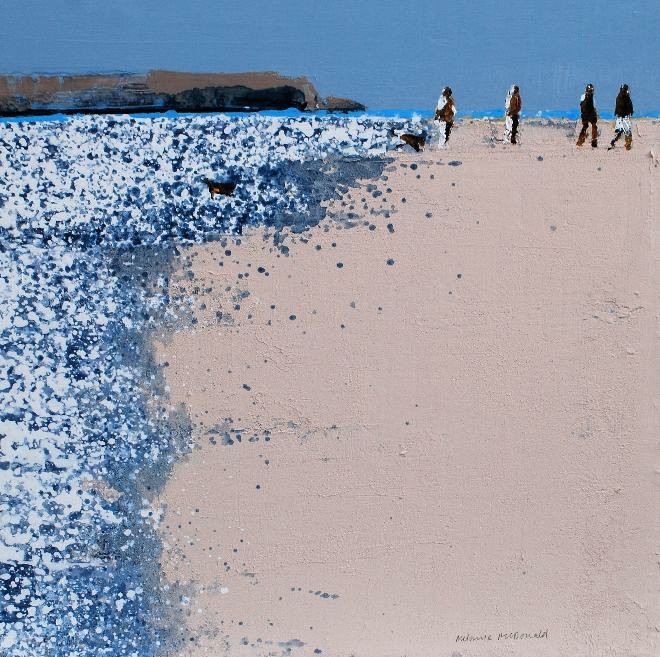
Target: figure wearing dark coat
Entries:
(589, 115)
(623, 111)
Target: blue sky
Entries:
(385, 54)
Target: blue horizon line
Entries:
(401, 113)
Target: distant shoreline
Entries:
(171, 93)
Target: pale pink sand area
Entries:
(439, 450)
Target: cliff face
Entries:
(161, 90)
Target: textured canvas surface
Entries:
(289, 381)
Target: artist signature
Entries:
(501, 636)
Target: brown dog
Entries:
(222, 188)
(416, 141)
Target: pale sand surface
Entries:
(471, 453)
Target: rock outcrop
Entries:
(334, 104)
(159, 91)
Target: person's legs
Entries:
(442, 129)
(627, 130)
(448, 127)
(514, 128)
(594, 135)
(622, 127)
(583, 133)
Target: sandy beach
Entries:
(431, 433)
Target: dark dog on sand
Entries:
(416, 141)
(222, 188)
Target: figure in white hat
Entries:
(445, 112)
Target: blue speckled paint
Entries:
(91, 214)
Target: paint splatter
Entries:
(92, 211)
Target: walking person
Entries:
(589, 115)
(513, 107)
(623, 111)
(446, 111)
